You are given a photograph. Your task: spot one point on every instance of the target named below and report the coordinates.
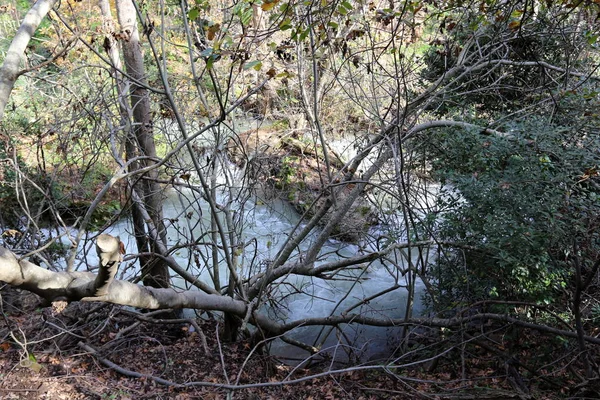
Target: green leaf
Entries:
(285, 24)
(256, 65)
(591, 38)
(304, 34)
(206, 52)
(284, 74)
(193, 14)
(244, 12)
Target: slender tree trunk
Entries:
(140, 142)
(126, 113)
(9, 71)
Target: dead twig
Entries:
(148, 318)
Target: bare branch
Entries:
(109, 252)
(448, 123)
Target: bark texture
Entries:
(109, 253)
(9, 72)
(76, 286)
(140, 142)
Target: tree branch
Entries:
(109, 252)
(449, 123)
(75, 286)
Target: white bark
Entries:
(9, 72)
(155, 271)
(76, 286)
(109, 253)
(449, 123)
(109, 42)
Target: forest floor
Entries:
(101, 351)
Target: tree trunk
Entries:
(87, 286)
(140, 142)
(9, 72)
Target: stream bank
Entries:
(292, 165)
(292, 171)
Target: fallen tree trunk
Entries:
(86, 286)
(83, 286)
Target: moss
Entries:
(364, 210)
(291, 196)
(287, 173)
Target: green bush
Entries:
(517, 204)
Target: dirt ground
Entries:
(46, 353)
(101, 351)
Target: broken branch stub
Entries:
(109, 253)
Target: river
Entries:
(266, 225)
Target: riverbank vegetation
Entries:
(442, 157)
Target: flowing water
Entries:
(266, 226)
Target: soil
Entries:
(101, 351)
(57, 363)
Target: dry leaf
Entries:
(268, 5)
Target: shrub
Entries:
(520, 203)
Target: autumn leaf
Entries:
(212, 31)
(591, 172)
(185, 177)
(268, 5)
(11, 233)
(31, 363)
